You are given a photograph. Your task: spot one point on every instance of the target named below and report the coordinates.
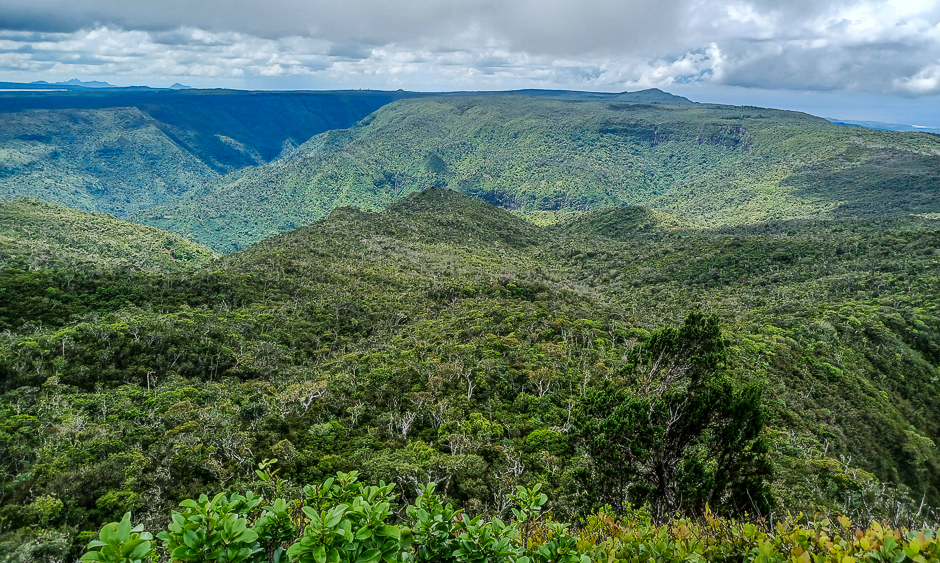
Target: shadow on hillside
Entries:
(884, 182)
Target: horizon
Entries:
(830, 111)
(862, 60)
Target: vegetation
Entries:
(125, 150)
(39, 235)
(680, 436)
(445, 340)
(122, 150)
(344, 521)
(542, 156)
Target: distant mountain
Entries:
(89, 84)
(121, 150)
(710, 165)
(178, 86)
(650, 96)
(35, 234)
(879, 126)
(75, 82)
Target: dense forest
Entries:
(549, 158)
(125, 150)
(35, 234)
(120, 150)
(448, 341)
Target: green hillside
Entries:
(119, 151)
(704, 164)
(35, 234)
(445, 339)
(619, 223)
(122, 150)
(115, 160)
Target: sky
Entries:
(876, 60)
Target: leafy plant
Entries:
(434, 527)
(487, 542)
(275, 528)
(350, 533)
(215, 530)
(118, 542)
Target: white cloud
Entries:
(878, 46)
(926, 81)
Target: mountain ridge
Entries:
(707, 164)
(90, 149)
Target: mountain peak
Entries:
(89, 84)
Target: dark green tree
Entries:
(675, 432)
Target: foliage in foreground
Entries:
(345, 521)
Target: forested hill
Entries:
(446, 339)
(35, 234)
(543, 156)
(118, 150)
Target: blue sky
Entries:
(851, 59)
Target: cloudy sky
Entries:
(851, 59)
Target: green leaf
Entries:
(124, 528)
(139, 551)
(107, 532)
(295, 551)
(311, 513)
(336, 515)
(319, 553)
(370, 556)
(190, 539)
(129, 546)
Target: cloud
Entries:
(925, 81)
(876, 46)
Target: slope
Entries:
(35, 234)
(116, 160)
(618, 223)
(711, 165)
(118, 151)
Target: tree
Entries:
(676, 431)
